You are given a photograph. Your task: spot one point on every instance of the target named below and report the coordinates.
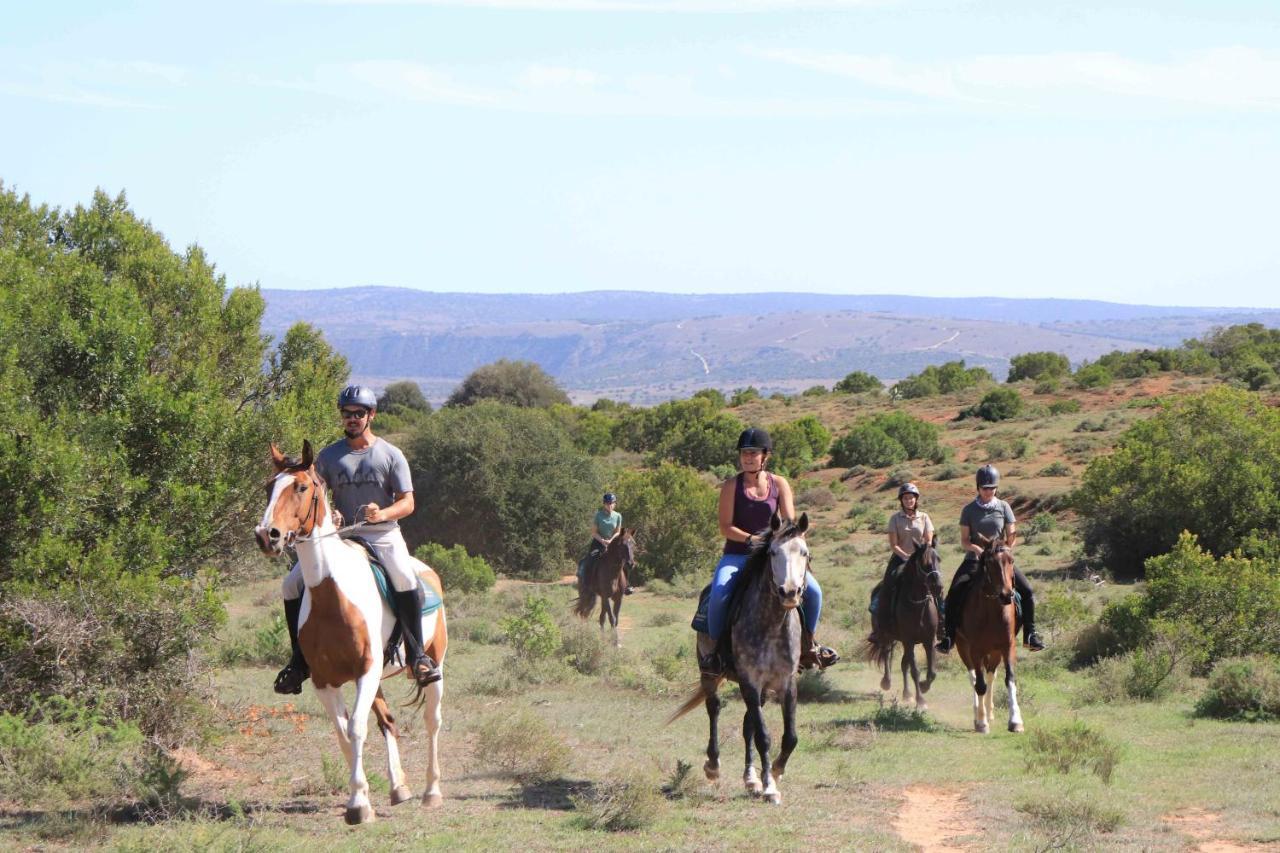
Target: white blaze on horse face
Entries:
(789, 562)
(282, 482)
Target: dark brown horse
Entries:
(988, 633)
(914, 621)
(606, 579)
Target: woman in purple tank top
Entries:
(747, 503)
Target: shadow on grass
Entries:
(78, 823)
(815, 687)
(892, 718)
(550, 795)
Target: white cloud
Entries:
(551, 76)
(691, 6)
(417, 82)
(1230, 78)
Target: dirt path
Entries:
(929, 817)
(1202, 826)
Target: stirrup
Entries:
(945, 645)
(289, 680)
(819, 658)
(425, 671)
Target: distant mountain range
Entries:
(644, 347)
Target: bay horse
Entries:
(914, 621)
(345, 625)
(987, 633)
(607, 580)
(765, 634)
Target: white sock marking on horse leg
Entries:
(751, 780)
(432, 715)
(331, 699)
(1015, 713)
(395, 772)
(358, 730)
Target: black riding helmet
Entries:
(907, 489)
(358, 395)
(754, 438)
(988, 476)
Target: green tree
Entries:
(673, 510)
(867, 444)
(517, 383)
(137, 416)
(917, 437)
(1208, 464)
(999, 404)
(400, 398)
(859, 382)
(1094, 375)
(506, 483)
(797, 444)
(1038, 365)
(944, 378)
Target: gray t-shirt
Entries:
(989, 522)
(359, 477)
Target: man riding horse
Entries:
(989, 517)
(369, 479)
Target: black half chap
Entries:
(1028, 602)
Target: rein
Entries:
(986, 575)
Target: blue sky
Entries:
(1127, 151)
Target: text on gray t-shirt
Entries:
(355, 478)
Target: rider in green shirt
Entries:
(607, 524)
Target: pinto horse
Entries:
(987, 633)
(766, 654)
(607, 580)
(344, 626)
(914, 621)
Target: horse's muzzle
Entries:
(268, 541)
(790, 600)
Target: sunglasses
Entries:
(353, 413)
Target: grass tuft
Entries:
(1072, 746)
(624, 805)
(523, 747)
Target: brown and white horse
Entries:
(344, 626)
(988, 634)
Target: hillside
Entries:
(646, 347)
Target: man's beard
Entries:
(355, 433)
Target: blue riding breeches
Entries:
(722, 592)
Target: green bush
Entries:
(744, 395)
(582, 646)
(1071, 746)
(815, 391)
(940, 379)
(1056, 469)
(1093, 376)
(1047, 386)
(694, 432)
(1243, 688)
(859, 382)
(1068, 406)
(999, 404)
(867, 445)
(505, 483)
(534, 634)
(266, 645)
(403, 398)
(1208, 464)
(1038, 365)
(458, 570)
(620, 805)
(796, 444)
(673, 511)
(58, 752)
(516, 383)
(1007, 446)
(522, 746)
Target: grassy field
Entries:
(547, 754)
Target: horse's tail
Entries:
(586, 600)
(876, 651)
(696, 697)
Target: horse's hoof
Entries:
(775, 798)
(885, 683)
(922, 706)
(712, 769)
(432, 801)
(359, 814)
(925, 685)
(753, 787)
(1015, 727)
(400, 794)
(981, 728)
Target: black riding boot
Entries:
(1029, 635)
(296, 670)
(409, 612)
(951, 611)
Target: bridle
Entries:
(989, 557)
(918, 568)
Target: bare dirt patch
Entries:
(1203, 826)
(930, 817)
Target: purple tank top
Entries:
(751, 515)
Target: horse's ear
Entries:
(803, 524)
(934, 543)
(307, 456)
(278, 460)
(775, 521)
(982, 540)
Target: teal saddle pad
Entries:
(431, 601)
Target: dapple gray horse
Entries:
(766, 654)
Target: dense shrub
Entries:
(940, 379)
(1056, 469)
(139, 395)
(458, 570)
(1007, 446)
(401, 398)
(797, 444)
(516, 383)
(1220, 607)
(692, 432)
(867, 444)
(591, 430)
(1093, 376)
(859, 382)
(744, 395)
(673, 511)
(57, 752)
(998, 404)
(620, 805)
(1068, 406)
(522, 746)
(713, 395)
(504, 482)
(1208, 464)
(533, 634)
(1038, 365)
(815, 391)
(1071, 746)
(1244, 688)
